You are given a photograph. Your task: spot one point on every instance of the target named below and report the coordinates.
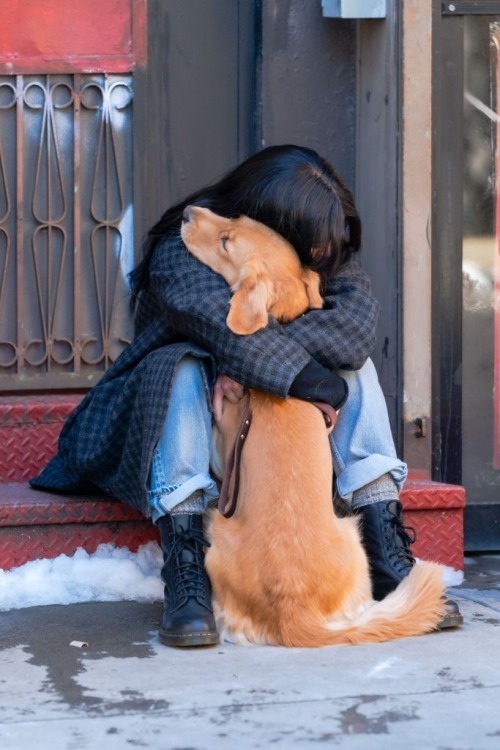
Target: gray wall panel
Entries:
(309, 81)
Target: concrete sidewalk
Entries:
(441, 691)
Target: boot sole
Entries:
(450, 621)
(189, 639)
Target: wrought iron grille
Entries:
(66, 227)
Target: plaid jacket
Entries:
(107, 443)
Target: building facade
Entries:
(110, 111)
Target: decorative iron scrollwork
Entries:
(66, 229)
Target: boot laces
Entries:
(191, 579)
(407, 535)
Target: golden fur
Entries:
(263, 282)
(285, 570)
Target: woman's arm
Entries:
(343, 333)
(194, 301)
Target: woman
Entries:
(143, 433)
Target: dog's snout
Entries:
(187, 214)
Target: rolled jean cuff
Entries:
(367, 470)
(162, 501)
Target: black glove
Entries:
(318, 383)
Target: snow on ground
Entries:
(110, 574)
(452, 577)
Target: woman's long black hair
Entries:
(291, 189)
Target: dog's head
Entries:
(253, 259)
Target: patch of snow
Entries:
(452, 577)
(109, 574)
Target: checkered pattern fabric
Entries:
(108, 441)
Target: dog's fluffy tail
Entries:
(414, 608)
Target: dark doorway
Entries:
(466, 266)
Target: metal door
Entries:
(467, 266)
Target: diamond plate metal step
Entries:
(436, 512)
(35, 524)
(29, 430)
(38, 524)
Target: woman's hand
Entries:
(226, 387)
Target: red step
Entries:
(37, 524)
(29, 429)
(436, 512)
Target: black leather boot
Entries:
(188, 618)
(387, 543)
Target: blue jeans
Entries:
(361, 442)
(362, 445)
(180, 464)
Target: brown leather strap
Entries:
(329, 414)
(226, 504)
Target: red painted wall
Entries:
(47, 36)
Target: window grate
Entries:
(66, 227)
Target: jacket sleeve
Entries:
(194, 301)
(343, 333)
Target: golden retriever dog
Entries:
(263, 282)
(285, 570)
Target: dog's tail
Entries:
(414, 608)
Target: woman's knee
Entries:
(187, 420)
(364, 380)
(189, 375)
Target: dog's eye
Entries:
(224, 240)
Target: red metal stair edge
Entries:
(36, 525)
(28, 410)
(29, 431)
(20, 505)
(23, 544)
(427, 494)
(436, 512)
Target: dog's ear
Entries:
(250, 303)
(312, 282)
